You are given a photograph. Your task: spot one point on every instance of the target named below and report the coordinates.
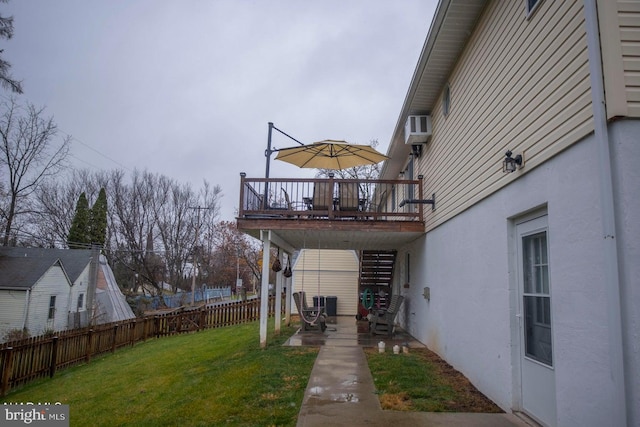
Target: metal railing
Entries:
(330, 198)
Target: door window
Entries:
(536, 298)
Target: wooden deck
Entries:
(334, 213)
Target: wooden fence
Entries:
(26, 360)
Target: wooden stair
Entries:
(376, 273)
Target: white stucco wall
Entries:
(466, 263)
(625, 147)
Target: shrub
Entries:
(16, 334)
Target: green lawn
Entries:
(222, 377)
(219, 376)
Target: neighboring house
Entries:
(49, 289)
(111, 305)
(325, 273)
(531, 277)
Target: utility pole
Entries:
(195, 245)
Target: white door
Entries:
(538, 391)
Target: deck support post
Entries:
(288, 282)
(264, 286)
(278, 294)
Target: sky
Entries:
(186, 88)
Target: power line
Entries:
(73, 138)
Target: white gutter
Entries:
(25, 316)
(618, 416)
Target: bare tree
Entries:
(151, 225)
(175, 227)
(235, 255)
(153, 228)
(29, 156)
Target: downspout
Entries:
(92, 282)
(27, 302)
(612, 280)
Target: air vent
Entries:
(417, 130)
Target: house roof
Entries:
(452, 25)
(112, 305)
(22, 267)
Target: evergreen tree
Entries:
(79, 233)
(98, 226)
(6, 32)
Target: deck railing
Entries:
(330, 198)
(38, 357)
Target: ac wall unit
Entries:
(417, 130)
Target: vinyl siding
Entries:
(11, 310)
(629, 24)
(53, 282)
(521, 84)
(79, 287)
(328, 273)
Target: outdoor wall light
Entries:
(416, 150)
(510, 164)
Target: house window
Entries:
(80, 301)
(446, 100)
(52, 307)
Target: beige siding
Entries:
(12, 309)
(328, 273)
(521, 84)
(629, 24)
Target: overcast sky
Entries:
(186, 88)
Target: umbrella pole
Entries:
(267, 154)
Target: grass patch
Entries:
(214, 377)
(421, 381)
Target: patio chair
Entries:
(382, 203)
(383, 323)
(348, 196)
(310, 317)
(291, 206)
(322, 196)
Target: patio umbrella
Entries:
(330, 154)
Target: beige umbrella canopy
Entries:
(330, 154)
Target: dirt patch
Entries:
(447, 390)
(469, 398)
(395, 401)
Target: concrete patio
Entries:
(341, 392)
